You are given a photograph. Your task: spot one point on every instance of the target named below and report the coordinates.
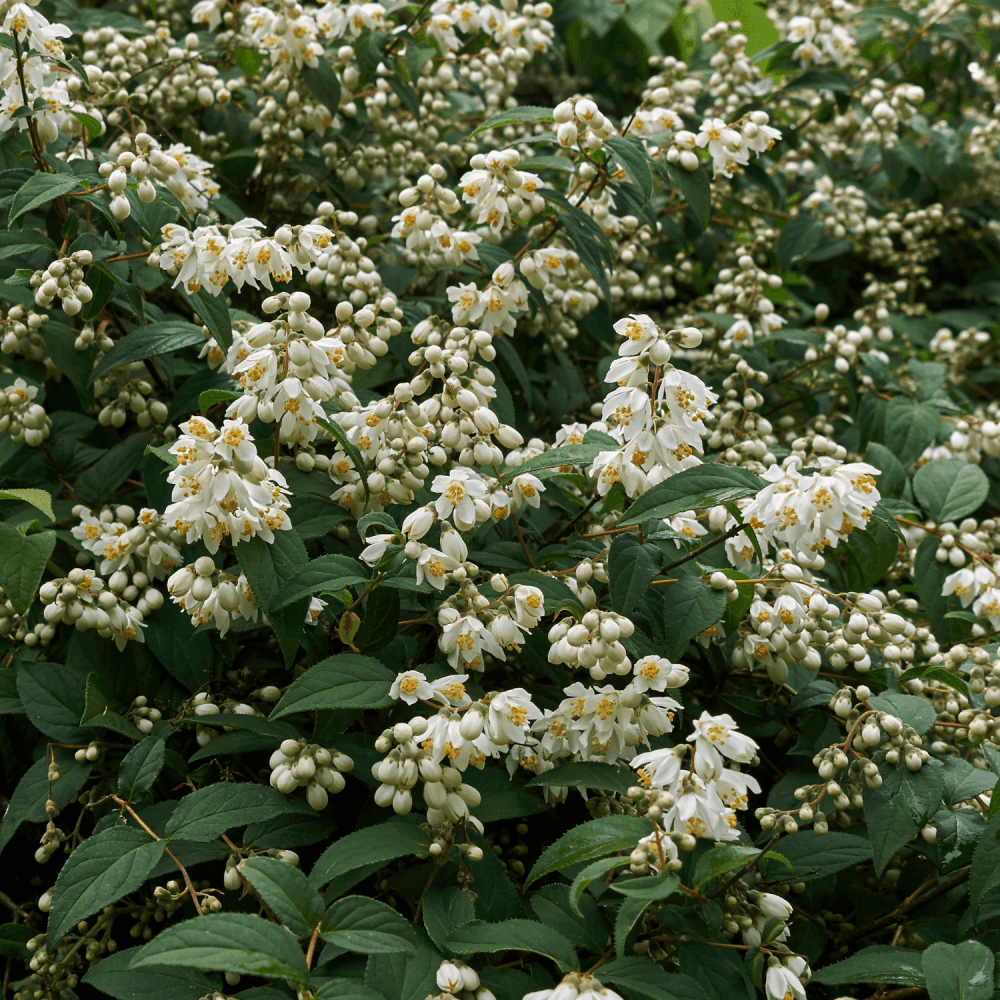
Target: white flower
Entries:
(659, 768)
(411, 686)
(781, 984)
(715, 737)
(657, 673)
(511, 714)
(465, 640)
(457, 492)
(529, 605)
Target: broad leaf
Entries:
(360, 924)
(343, 681)
(287, 892)
(595, 839)
(148, 342)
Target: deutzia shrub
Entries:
(499, 500)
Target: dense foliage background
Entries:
(499, 500)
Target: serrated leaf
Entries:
(951, 489)
(984, 871)
(372, 846)
(900, 806)
(595, 839)
(690, 606)
(248, 60)
(525, 113)
(650, 887)
(38, 190)
(703, 486)
(227, 942)
(38, 499)
(625, 919)
(99, 872)
(513, 935)
(586, 774)
(326, 575)
(799, 237)
(909, 428)
(565, 456)
(445, 911)
(141, 767)
(207, 813)
(963, 971)
(590, 873)
(642, 978)
(287, 892)
(912, 709)
(324, 83)
(632, 155)
(113, 976)
(368, 926)
(148, 342)
(876, 964)
(812, 856)
(694, 186)
(632, 567)
(210, 397)
(22, 563)
(343, 681)
(53, 697)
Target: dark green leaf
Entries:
(595, 839)
(227, 942)
(631, 569)
(513, 935)
(22, 563)
(38, 190)
(326, 575)
(372, 846)
(962, 971)
(287, 892)
(99, 872)
(343, 681)
(148, 342)
(207, 813)
(113, 976)
(951, 489)
(525, 113)
(631, 154)
(141, 766)
(876, 964)
(356, 923)
(694, 186)
(689, 607)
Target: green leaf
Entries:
(689, 607)
(642, 978)
(89, 122)
(227, 942)
(371, 846)
(625, 919)
(962, 781)
(210, 397)
(984, 871)
(97, 484)
(632, 155)
(513, 935)
(27, 803)
(909, 428)
(417, 56)
(525, 113)
(141, 767)
(911, 709)
(951, 489)
(703, 486)
(22, 563)
(248, 60)
(694, 186)
(209, 812)
(565, 456)
(53, 697)
(897, 809)
(962, 971)
(148, 342)
(631, 568)
(326, 575)
(590, 873)
(586, 774)
(186, 653)
(595, 839)
(379, 620)
(113, 976)
(649, 19)
(324, 83)
(368, 926)
(269, 569)
(99, 872)
(213, 312)
(720, 860)
(398, 976)
(38, 499)
(814, 857)
(445, 911)
(798, 238)
(875, 964)
(821, 79)
(38, 190)
(336, 431)
(650, 887)
(343, 681)
(287, 892)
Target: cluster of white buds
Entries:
(21, 333)
(117, 173)
(458, 981)
(124, 390)
(593, 643)
(50, 842)
(298, 764)
(575, 986)
(143, 716)
(581, 123)
(83, 599)
(23, 418)
(64, 279)
(12, 621)
(496, 189)
(448, 798)
(89, 753)
(89, 335)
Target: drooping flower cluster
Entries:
(221, 486)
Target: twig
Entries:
(734, 530)
(166, 850)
